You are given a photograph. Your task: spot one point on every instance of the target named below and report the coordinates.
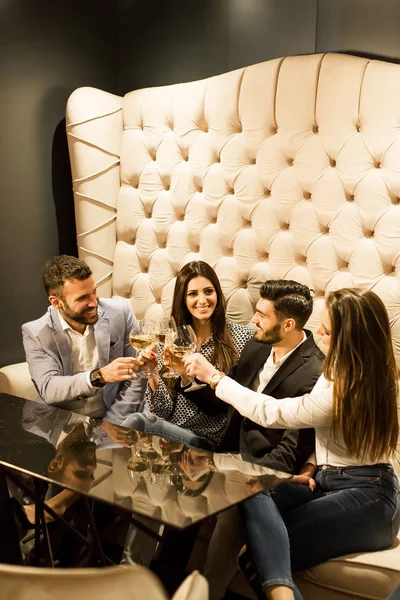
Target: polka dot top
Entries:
(174, 405)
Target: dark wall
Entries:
(50, 47)
(366, 27)
(47, 49)
(182, 40)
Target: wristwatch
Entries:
(95, 379)
(215, 379)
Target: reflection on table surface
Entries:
(145, 474)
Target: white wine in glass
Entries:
(183, 344)
(142, 337)
(165, 328)
(165, 333)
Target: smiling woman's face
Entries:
(325, 329)
(201, 298)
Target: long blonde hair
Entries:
(362, 367)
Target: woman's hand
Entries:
(198, 366)
(171, 361)
(306, 476)
(195, 463)
(148, 362)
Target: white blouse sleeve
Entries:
(311, 410)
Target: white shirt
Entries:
(311, 410)
(85, 358)
(271, 366)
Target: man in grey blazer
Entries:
(78, 353)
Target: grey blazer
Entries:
(48, 353)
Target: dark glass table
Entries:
(141, 475)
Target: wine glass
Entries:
(137, 467)
(142, 337)
(165, 332)
(165, 328)
(185, 343)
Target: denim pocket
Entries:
(357, 475)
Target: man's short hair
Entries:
(290, 299)
(59, 268)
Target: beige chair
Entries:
(108, 583)
(367, 576)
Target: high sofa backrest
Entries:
(284, 169)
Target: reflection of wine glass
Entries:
(137, 467)
(160, 475)
(142, 337)
(165, 332)
(145, 448)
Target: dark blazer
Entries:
(285, 450)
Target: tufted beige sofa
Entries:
(289, 168)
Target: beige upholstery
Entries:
(124, 583)
(287, 168)
(373, 575)
(15, 380)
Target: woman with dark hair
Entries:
(198, 301)
(354, 410)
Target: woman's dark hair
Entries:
(290, 299)
(362, 367)
(225, 355)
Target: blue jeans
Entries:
(147, 423)
(353, 509)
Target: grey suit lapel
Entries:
(102, 336)
(62, 341)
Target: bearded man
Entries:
(78, 353)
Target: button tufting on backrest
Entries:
(312, 212)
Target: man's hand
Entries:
(198, 366)
(305, 477)
(120, 369)
(121, 435)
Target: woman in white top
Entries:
(353, 408)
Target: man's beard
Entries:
(272, 336)
(79, 317)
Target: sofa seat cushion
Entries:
(16, 381)
(373, 575)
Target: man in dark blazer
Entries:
(282, 360)
(285, 450)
